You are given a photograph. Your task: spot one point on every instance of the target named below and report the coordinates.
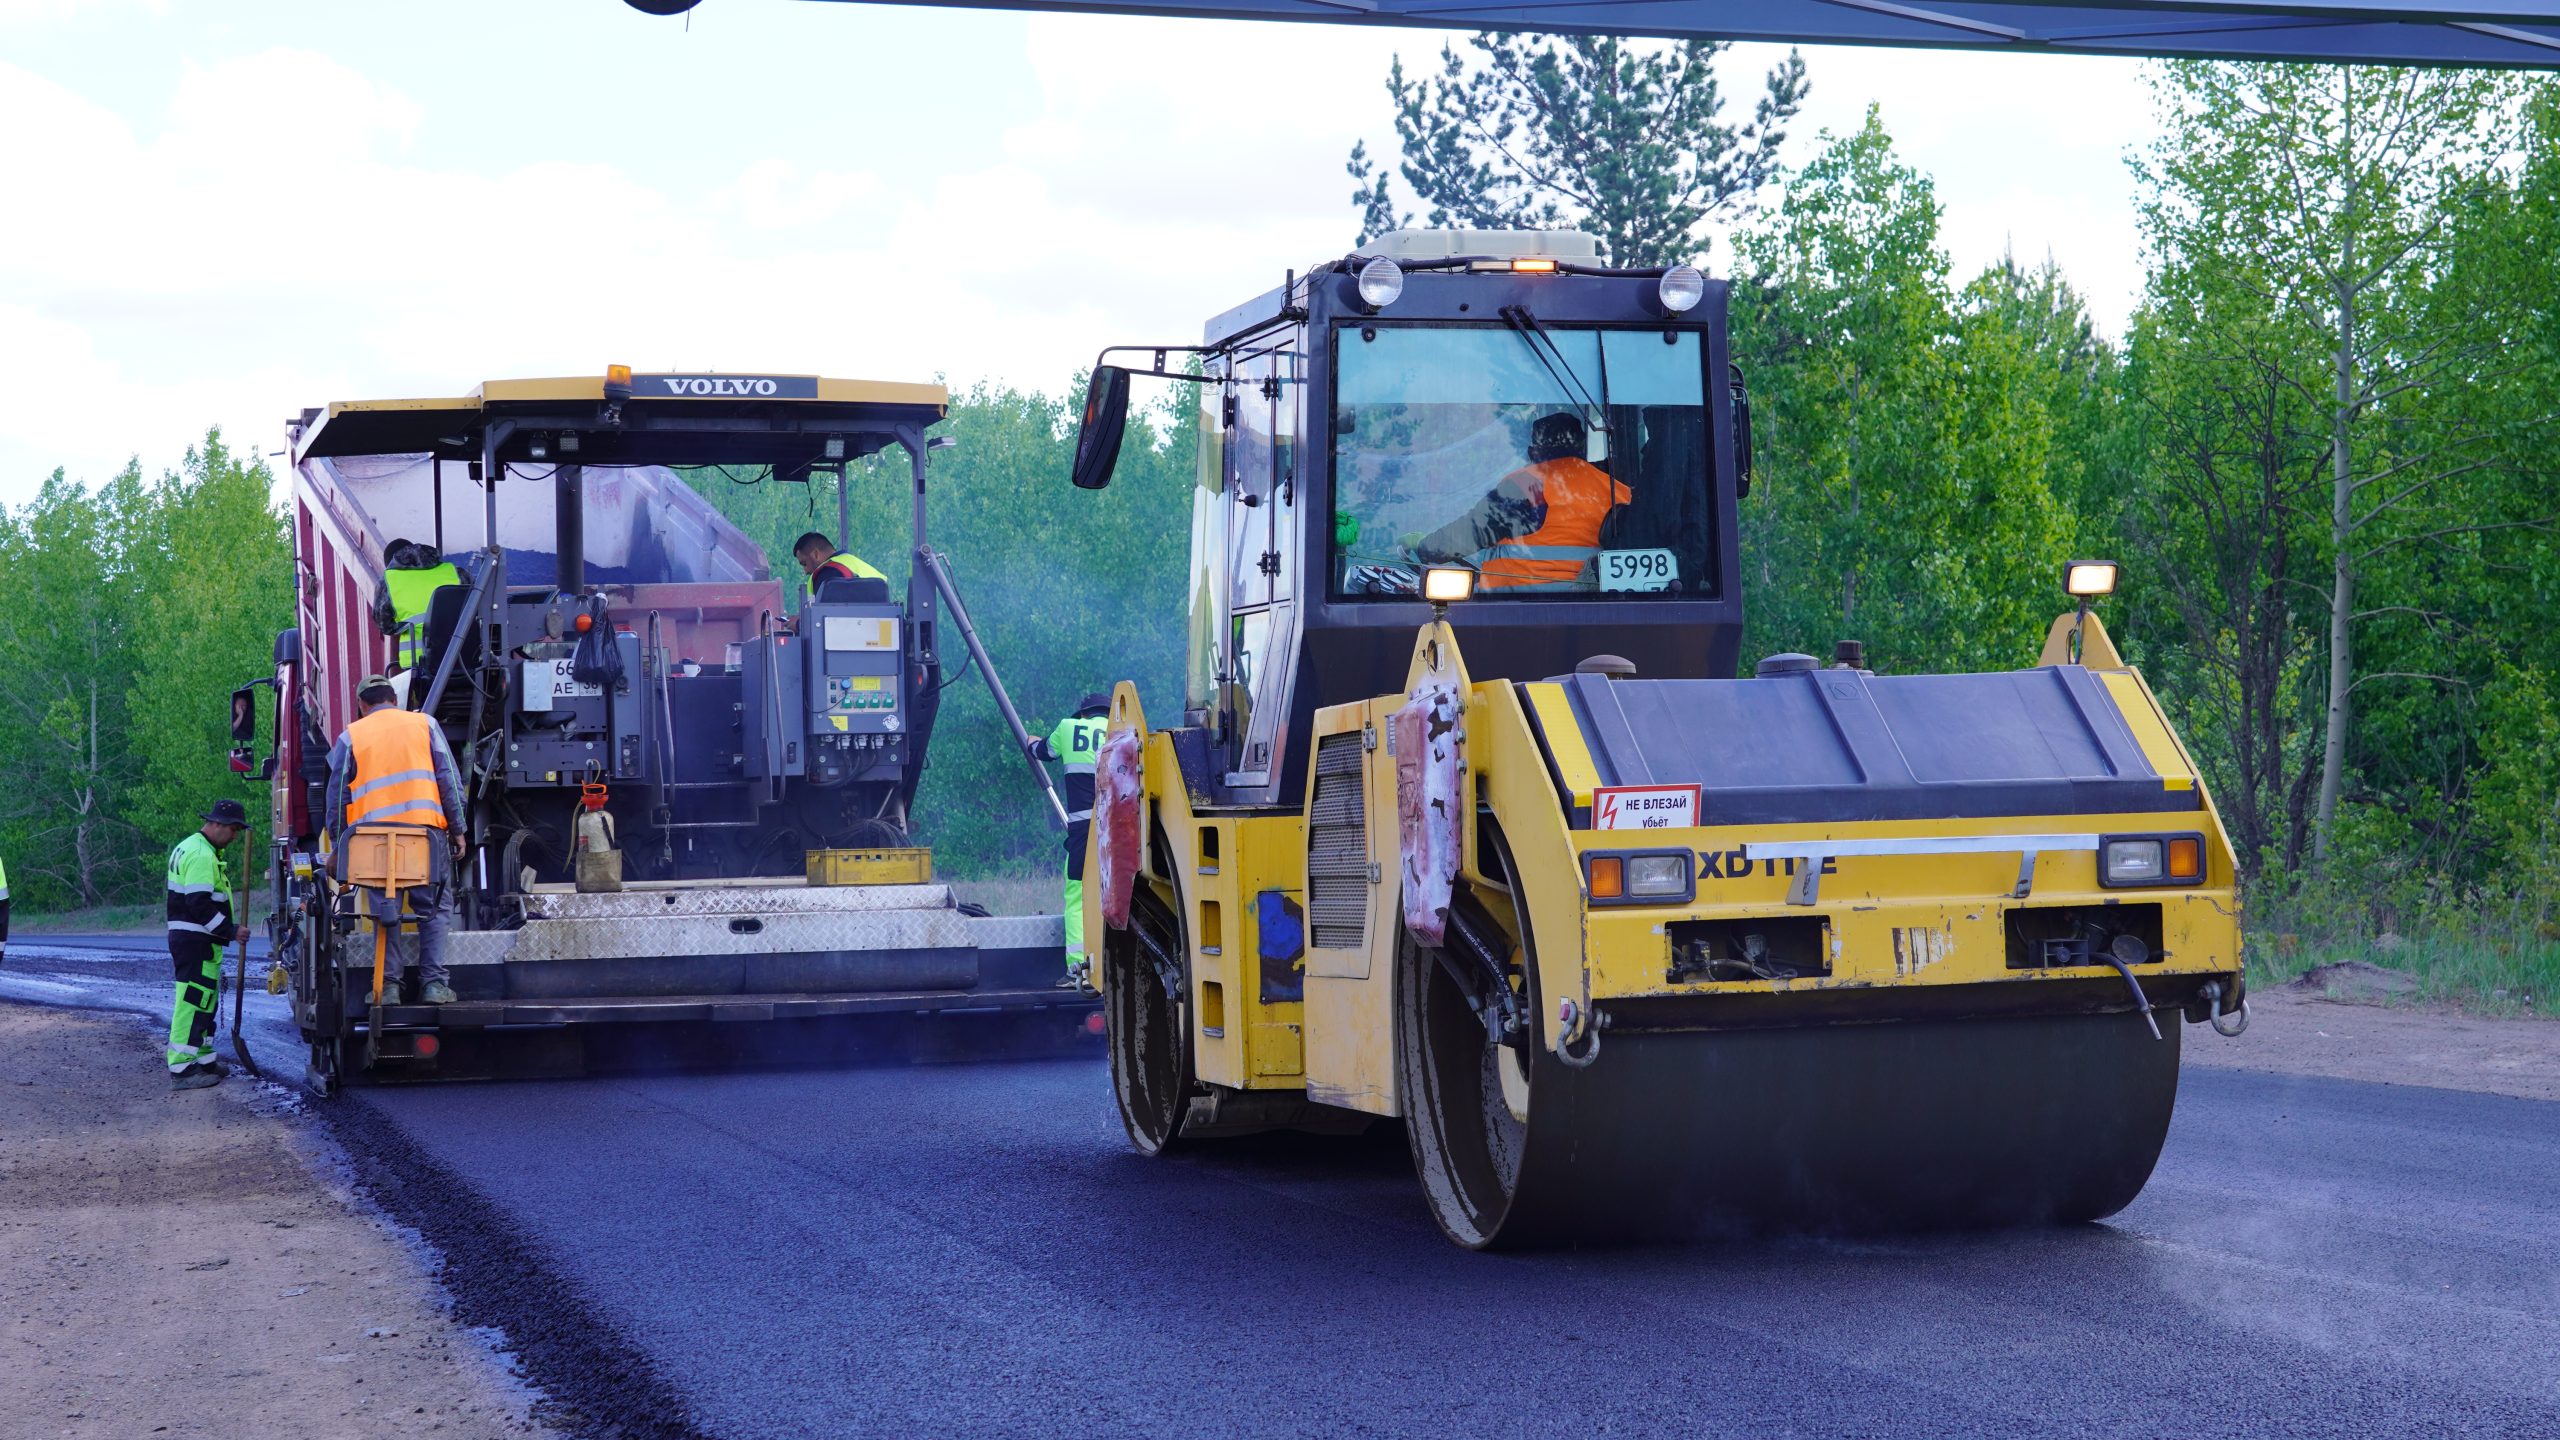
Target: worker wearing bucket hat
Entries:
(200, 924)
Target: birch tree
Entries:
(2325, 199)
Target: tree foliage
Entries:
(1905, 440)
(132, 613)
(2317, 234)
(1623, 139)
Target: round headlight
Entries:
(1683, 286)
(1381, 281)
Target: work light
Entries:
(1682, 287)
(2088, 578)
(1381, 281)
(1447, 584)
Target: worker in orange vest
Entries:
(392, 767)
(1541, 525)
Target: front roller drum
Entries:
(1859, 1128)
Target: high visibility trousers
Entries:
(199, 966)
(1076, 835)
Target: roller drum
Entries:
(1845, 1128)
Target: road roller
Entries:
(1472, 817)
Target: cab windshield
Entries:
(1557, 463)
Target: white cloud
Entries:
(282, 227)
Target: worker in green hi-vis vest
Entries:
(1077, 743)
(200, 924)
(412, 573)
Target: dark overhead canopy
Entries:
(2434, 32)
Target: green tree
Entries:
(1621, 139)
(1903, 445)
(66, 662)
(213, 568)
(2315, 215)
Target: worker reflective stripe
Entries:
(1576, 553)
(393, 776)
(411, 812)
(370, 786)
(193, 926)
(1075, 815)
(196, 888)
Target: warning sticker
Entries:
(1646, 807)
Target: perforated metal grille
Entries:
(1338, 847)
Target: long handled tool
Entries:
(240, 977)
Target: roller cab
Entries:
(1631, 944)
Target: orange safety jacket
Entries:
(394, 776)
(1578, 496)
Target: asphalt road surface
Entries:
(973, 1249)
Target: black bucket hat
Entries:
(228, 812)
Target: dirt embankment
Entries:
(2293, 1031)
(170, 1265)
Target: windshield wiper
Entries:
(1534, 334)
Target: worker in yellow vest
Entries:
(821, 561)
(392, 767)
(411, 575)
(1076, 742)
(200, 924)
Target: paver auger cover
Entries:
(1468, 819)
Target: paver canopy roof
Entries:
(2448, 32)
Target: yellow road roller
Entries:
(1470, 820)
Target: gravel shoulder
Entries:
(2295, 1033)
(181, 1264)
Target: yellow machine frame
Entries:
(1919, 923)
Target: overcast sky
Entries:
(222, 211)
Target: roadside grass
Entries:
(95, 920)
(2489, 959)
(150, 919)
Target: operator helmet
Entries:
(1553, 437)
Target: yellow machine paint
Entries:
(1897, 959)
(1334, 1044)
(1926, 927)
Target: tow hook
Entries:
(2214, 1017)
(2116, 955)
(1570, 1017)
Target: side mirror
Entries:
(289, 647)
(243, 760)
(1741, 438)
(244, 716)
(1106, 417)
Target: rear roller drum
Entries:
(1148, 1016)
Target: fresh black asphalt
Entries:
(972, 1249)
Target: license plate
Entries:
(1638, 569)
(549, 680)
